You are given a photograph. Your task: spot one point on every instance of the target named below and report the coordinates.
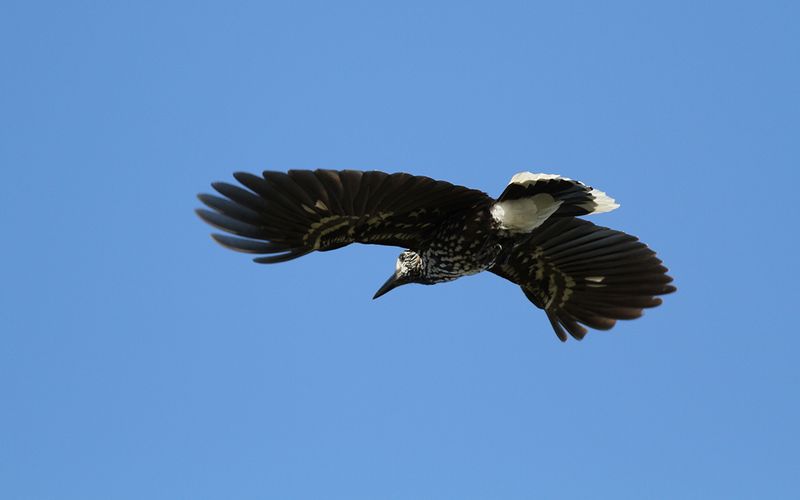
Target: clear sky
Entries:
(139, 360)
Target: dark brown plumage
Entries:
(581, 274)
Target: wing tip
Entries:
(204, 214)
(557, 328)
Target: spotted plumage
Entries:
(580, 274)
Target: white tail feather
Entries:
(604, 202)
(525, 204)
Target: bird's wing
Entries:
(583, 274)
(285, 215)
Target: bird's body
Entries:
(579, 273)
(464, 244)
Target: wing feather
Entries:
(286, 215)
(583, 274)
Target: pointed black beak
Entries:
(390, 284)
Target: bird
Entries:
(582, 275)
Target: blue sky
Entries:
(140, 360)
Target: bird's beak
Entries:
(391, 283)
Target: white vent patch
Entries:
(526, 214)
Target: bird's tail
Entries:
(530, 199)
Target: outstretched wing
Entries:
(286, 215)
(583, 274)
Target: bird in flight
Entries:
(580, 274)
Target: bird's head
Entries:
(407, 269)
